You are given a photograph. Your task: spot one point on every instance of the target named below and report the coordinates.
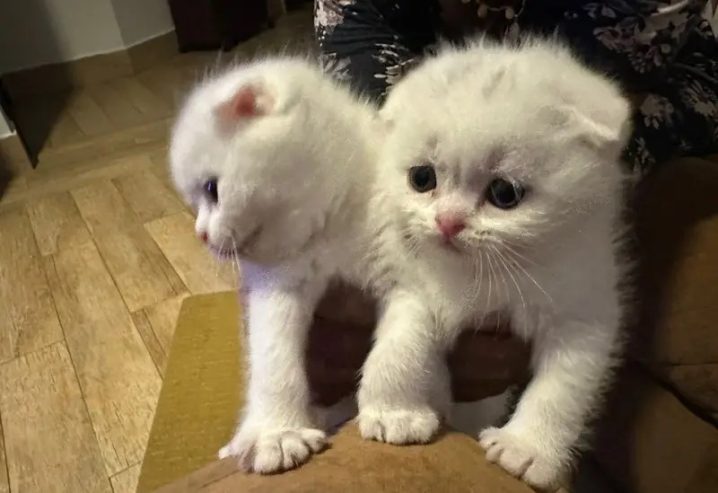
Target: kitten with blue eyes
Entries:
(278, 161)
(498, 195)
(506, 184)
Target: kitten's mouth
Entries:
(241, 249)
(450, 244)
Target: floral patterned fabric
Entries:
(662, 51)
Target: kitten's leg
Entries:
(278, 431)
(572, 364)
(404, 388)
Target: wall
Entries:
(38, 32)
(140, 20)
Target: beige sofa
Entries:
(658, 434)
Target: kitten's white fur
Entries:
(298, 195)
(289, 149)
(535, 116)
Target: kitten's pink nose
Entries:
(450, 225)
(203, 237)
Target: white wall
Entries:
(37, 32)
(140, 20)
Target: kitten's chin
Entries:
(432, 244)
(448, 246)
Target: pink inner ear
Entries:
(242, 105)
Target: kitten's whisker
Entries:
(506, 266)
(509, 269)
(235, 259)
(471, 293)
(491, 277)
(232, 261)
(474, 291)
(496, 275)
(530, 277)
(486, 303)
(503, 277)
(481, 274)
(476, 285)
(508, 246)
(217, 261)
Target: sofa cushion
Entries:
(675, 333)
(649, 442)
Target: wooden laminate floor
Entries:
(97, 253)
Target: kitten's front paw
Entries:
(267, 451)
(522, 458)
(398, 426)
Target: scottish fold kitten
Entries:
(498, 193)
(278, 162)
(501, 169)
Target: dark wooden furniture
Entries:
(212, 24)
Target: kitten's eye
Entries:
(210, 188)
(422, 178)
(505, 194)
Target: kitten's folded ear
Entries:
(250, 100)
(603, 122)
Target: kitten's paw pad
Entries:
(267, 452)
(398, 426)
(521, 458)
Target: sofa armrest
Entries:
(454, 463)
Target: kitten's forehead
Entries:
(473, 134)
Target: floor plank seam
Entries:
(4, 449)
(17, 353)
(34, 351)
(141, 312)
(141, 225)
(125, 469)
(74, 369)
(164, 255)
(124, 303)
(112, 277)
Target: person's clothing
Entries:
(663, 51)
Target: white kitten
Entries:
(502, 170)
(499, 192)
(273, 155)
